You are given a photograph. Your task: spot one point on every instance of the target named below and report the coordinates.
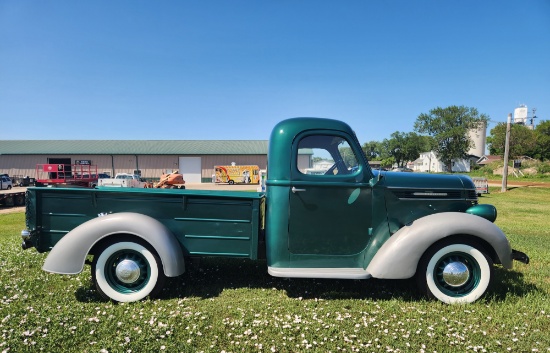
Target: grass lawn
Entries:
(235, 306)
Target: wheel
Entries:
(19, 200)
(127, 271)
(9, 187)
(231, 182)
(455, 272)
(9, 201)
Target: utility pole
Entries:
(506, 151)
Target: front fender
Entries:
(69, 254)
(399, 256)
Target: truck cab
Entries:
(322, 216)
(354, 222)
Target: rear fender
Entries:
(399, 256)
(69, 254)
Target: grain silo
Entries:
(479, 138)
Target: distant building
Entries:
(520, 114)
(521, 117)
(486, 159)
(150, 158)
(428, 162)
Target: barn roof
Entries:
(142, 147)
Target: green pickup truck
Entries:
(345, 221)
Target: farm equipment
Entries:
(19, 180)
(482, 185)
(172, 180)
(75, 175)
(12, 198)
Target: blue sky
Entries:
(232, 69)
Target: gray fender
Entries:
(399, 256)
(69, 254)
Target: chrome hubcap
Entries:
(127, 271)
(456, 274)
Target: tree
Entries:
(404, 147)
(449, 127)
(317, 159)
(542, 134)
(415, 144)
(373, 150)
(348, 157)
(394, 146)
(522, 141)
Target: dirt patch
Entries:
(513, 183)
(4, 210)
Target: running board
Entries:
(334, 273)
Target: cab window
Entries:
(326, 155)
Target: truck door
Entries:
(330, 197)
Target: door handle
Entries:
(294, 190)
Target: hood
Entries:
(426, 181)
(410, 196)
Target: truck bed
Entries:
(206, 223)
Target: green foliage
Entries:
(233, 305)
(348, 156)
(449, 127)
(447, 135)
(542, 132)
(405, 147)
(522, 141)
(373, 150)
(387, 162)
(316, 159)
(543, 168)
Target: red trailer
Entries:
(66, 174)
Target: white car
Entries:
(5, 182)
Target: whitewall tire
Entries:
(455, 273)
(127, 271)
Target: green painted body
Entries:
(338, 219)
(342, 221)
(204, 223)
